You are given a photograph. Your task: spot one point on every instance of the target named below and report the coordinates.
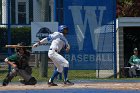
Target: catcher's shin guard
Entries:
(7, 80)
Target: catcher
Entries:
(19, 62)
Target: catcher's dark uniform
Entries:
(22, 68)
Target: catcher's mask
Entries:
(19, 48)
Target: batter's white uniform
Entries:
(58, 42)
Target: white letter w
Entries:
(91, 19)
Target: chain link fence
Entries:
(17, 22)
(15, 26)
(22, 13)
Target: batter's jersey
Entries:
(58, 41)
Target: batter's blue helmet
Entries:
(61, 28)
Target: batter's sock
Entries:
(65, 73)
(60, 74)
(54, 75)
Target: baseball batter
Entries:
(58, 42)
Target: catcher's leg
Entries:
(32, 81)
(8, 78)
(27, 78)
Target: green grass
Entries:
(73, 74)
(82, 74)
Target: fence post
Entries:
(45, 10)
(9, 30)
(44, 55)
(115, 49)
(37, 59)
(44, 64)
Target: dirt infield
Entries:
(99, 85)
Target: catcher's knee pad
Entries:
(28, 70)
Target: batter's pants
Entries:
(58, 60)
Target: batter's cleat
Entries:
(52, 84)
(68, 83)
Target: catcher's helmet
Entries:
(21, 44)
(61, 28)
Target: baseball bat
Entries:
(16, 46)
